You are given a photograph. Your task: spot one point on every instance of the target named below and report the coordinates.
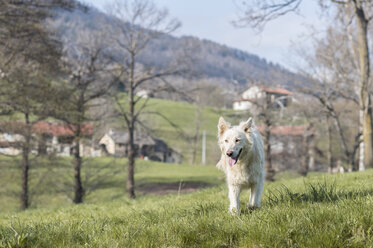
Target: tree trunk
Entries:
(362, 24)
(131, 165)
(78, 187)
(311, 151)
(367, 138)
(361, 145)
(330, 148)
(196, 135)
(270, 173)
(307, 157)
(25, 165)
(131, 130)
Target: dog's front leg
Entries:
(234, 198)
(256, 194)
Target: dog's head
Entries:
(234, 141)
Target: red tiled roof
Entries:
(4, 144)
(281, 91)
(60, 129)
(285, 130)
(7, 144)
(55, 129)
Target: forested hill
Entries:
(212, 61)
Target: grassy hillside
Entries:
(319, 211)
(176, 122)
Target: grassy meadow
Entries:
(317, 211)
(180, 205)
(104, 179)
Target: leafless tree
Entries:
(136, 23)
(264, 106)
(332, 69)
(89, 69)
(257, 13)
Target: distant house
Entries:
(278, 96)
(48, 138)
(144, 94)
(288, 148)
(117, 144)
(164, 153)
(58, 139)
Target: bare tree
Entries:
(265, 113)
(258, 13)
(89, 71)
(30, 94)
(332, 69)
(136, 23)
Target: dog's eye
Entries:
(237, 140)
(226, 141)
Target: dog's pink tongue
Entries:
(231, 161)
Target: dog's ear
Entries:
(247, 125)
(222, 126)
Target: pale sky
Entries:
(211, 19)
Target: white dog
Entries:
(242, 160)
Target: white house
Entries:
(279, 96)
(143, 94)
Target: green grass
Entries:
(317, 211)
(104, 179)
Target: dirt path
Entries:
(169, 188)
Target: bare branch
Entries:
(257, 13)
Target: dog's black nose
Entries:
(229, 153)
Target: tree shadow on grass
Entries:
(172, 187)
(314, 193)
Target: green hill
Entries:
(176, 123)
(318, 211)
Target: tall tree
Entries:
(136, 24)
(89, 68)
(29, 58)
(331, 67)
(258, 13)
(29, 93)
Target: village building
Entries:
(290, 145)
(48, 138)
(10, 143)
(144, 93)
(248, 100)
(117, 144)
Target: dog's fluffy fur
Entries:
(242, 160)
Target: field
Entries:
(104, 179)
(317, 211)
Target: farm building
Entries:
(291, 144)
(249, 98)
(117, 143)
(47, 138)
